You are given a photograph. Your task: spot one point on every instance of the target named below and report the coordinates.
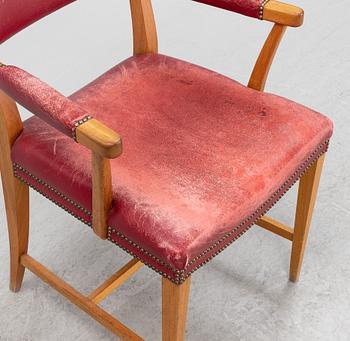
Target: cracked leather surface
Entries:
(201, 152)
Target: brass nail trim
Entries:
(261, 9)
(179, 276)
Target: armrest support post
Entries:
(263, 64)
(101, 194)
(105, 144)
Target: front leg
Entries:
(175, 303)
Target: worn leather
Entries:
(41, 99)
(201, 154)
(250, 8)
(16, 15)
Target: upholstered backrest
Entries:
(16, 15)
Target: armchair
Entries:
(204, 158)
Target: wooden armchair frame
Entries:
(105, 144)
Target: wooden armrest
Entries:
(284, 14)
(99, 138)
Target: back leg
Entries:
(16, 193)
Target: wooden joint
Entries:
(115, 281)
(82, 302)
(282, 13)
(276, 227)
(99, 138)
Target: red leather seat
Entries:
(204, 157)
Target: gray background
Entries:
(243, 294)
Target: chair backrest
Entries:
(15, 15)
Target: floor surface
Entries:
(243, 294)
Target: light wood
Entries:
(106, 144)
(16, 193)
(144, 27)
(101, 194)
(263, 64)
(284, 14)
(307, 193)
(79, 300)
(115, 281)
(99, 138)
(174, 305)
(276, 227)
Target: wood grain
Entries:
(284, 14)
(84, 303)
(16, 193)
(276, 227)
(115, 281)
(263, 64)
(307, 193)
(101, 194)
(144, 27)
(99, 138)
(174, 305)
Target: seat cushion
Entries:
(204, 157)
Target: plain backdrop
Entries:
(244, 293)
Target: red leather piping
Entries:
(176, 276)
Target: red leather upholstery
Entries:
(250, 8)
(204, 157)
(41, 99)
(16, 15)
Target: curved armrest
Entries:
(270, 10)
(59, 111)
(282, 13)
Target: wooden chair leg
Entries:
(175, 303)
(18, 226)
(16, 193)
(306, 201)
